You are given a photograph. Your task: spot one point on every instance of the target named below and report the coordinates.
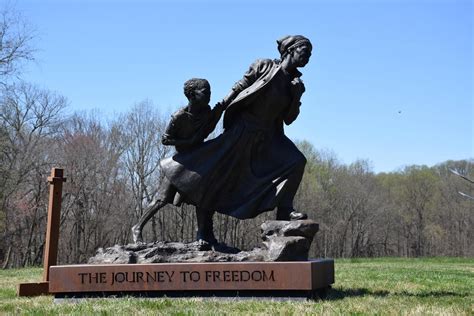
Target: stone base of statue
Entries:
(282, 240)
(280, 270)
(299, 279)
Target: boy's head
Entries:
(198, 91)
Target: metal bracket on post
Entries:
(52, 235)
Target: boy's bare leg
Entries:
(205, 226)
(149, 212)
(164, 196)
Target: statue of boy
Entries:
(188, 128)
(192, 124)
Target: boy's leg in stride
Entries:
(165, 195)
(205, 226)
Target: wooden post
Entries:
(52, 235)
(54, 215)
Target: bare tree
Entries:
(455, 213)
(143, 128)
(16, 38)
(29, 121)
(95, 199)
(465, 178)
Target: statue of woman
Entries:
(252, 167)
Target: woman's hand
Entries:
(297, 88)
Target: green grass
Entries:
(441, 286)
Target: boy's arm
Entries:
(214, 118)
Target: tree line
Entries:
(112, 170)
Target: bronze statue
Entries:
(188, 128)
(252, 167)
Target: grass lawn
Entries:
(363, 286)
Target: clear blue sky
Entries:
(371, 60)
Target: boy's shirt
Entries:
(186, 130)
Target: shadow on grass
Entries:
(437, 294)
(338, 294)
